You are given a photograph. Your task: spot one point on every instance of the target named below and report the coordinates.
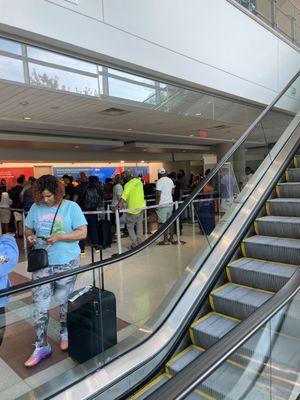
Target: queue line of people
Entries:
(58, 224)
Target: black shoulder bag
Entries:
(38, 258)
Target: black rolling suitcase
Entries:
(104, 233)
(92, 322)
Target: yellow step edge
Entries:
(228, 316)
(206, 396)
(274, 237)
(255, 224)
(228, 273)
(267, 207)
(287, 178)
(237, 284)
(204, 317)
(195, 323)
(261, 259)
(277, 191)
(210, 297)
(243, 248)
(192, 336)
(149, 385)
(295, 162)
(179, 355)
(235, 261)
(252, 288)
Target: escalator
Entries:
(205, 303)
(267, 258)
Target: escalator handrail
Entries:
(31, 284)
(198, 370)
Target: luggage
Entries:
(92, 321)
(104, 233)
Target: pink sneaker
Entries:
(38, 355)
(63, 342)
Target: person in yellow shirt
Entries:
(133, 195)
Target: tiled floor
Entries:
(140, 284)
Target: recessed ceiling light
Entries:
(76, 147)
(192, 135)
(142, 161)
(27, 118)
(198, 113)
(129, 129)
(122, 161)
(144, 149)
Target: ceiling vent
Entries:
(114, 112)
(219, 127)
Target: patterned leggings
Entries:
(41, 296)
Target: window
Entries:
(11, 69)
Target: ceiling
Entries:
(61, 121)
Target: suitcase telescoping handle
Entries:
(100, 270)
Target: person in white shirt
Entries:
(164, 198)
(5, 213)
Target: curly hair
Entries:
(47, 182)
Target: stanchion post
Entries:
(118, 232)
(193, 212)
(108, 212)
(24, 237)
(177, 224)
(146, 221)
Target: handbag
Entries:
(38, 258)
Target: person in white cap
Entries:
(164, 192)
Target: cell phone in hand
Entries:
(42, 237)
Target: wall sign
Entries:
(11, 174)
(102, 173)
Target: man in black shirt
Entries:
(69, 188)
(89, 196)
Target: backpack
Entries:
(92, 198)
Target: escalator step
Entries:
(284, 207)
(287, 227)
(259, 274)
(231, 381)
(182, 359)
(292, 174)
(207, 330)
(237, 301)
(289, 189)
(151, 387)
(272, 249)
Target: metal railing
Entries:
(284, 18)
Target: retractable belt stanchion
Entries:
(193, 212)
(177, 224)
(145, 221)
(118, 232)
(24, 237)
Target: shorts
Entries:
(163, 213)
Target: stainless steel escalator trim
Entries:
(198, 370)
(116, 370)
